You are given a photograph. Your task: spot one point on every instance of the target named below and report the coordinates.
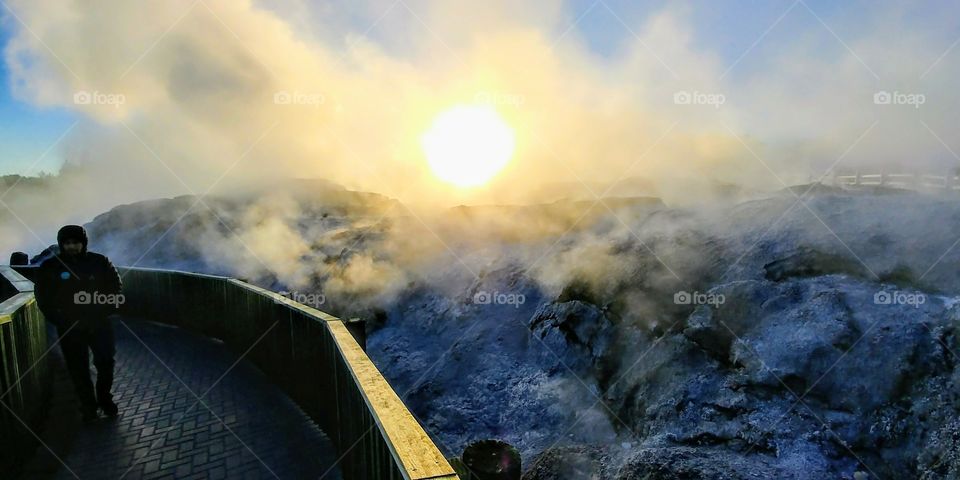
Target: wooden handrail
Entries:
(308, 353)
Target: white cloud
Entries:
(199, 86)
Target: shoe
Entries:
(109, 408)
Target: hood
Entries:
(72, 232)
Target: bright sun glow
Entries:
(468, 145)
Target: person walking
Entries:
(77, 291)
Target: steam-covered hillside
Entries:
(767, 339)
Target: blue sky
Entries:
(727, 29)
(26, 131)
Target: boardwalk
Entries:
(243, 427)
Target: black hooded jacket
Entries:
(84, 288)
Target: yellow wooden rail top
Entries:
(406, 438)
(10, 305)
(14, 303)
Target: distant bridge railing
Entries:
(25, 371)
(311, 355)
(900, 180)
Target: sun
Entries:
(468, 145)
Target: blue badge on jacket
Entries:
(64, 275)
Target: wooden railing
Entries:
(914, 181)
(25, 370)
(311, 355)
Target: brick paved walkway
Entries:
(163, 432)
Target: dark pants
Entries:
(75, 343)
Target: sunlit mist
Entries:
(468, 145)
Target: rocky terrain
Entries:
(774, 338)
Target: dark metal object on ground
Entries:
(19, 258)
(492, 460)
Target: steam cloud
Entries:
(224, 94)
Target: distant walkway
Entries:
(164, 432)
(909, 181)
